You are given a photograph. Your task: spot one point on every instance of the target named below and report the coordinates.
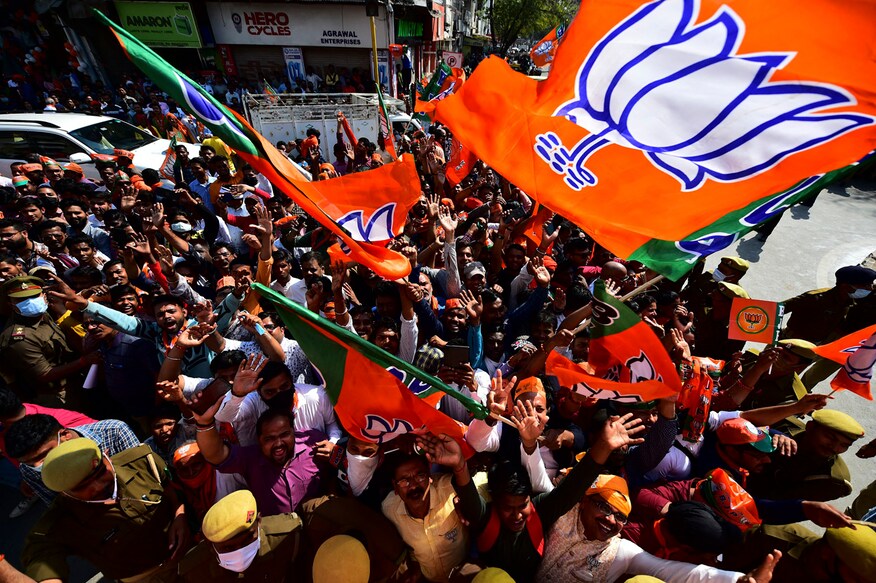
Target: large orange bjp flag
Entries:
(659, 118)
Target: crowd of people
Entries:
(158, 413)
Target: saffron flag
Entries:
(542, 54)
(579, 380)
(271, 92)
(166, 170)
(445, 81)
(623, 348)
(660, 118)
(460, 162)
(385, 125)
(755, 320)
(857, 353)
(392, 190)
(533, 228)
(376, 395)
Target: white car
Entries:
(73, 137)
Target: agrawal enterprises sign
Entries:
(160, 24)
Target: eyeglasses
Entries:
(607, 509)
(420, 478)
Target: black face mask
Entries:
(283, 400)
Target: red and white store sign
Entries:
(310, 25)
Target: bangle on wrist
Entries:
(169, 357)
(204, 429)
(337, 313)
(540, 253)
(460, 468)
(212, 423)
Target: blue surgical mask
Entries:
(718, 275)
(859, 293)
(32, 307)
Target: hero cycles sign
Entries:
(258, 23)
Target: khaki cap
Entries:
(341, 559)
(232, 515)
(856, 548)
(840, 422)
(70, 463)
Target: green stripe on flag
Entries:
(324, 352)
(188, 94)
(675, 258)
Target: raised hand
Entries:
(434, 203)
(499, 397)
(157, 214)
(351, 295)
(339, 276)
(205, 418)
(473, 306)
(559, 301)
(170, 391)
(248, 321)
(140, 244)
(677, 346)
(528, 424)
(195, 335)
(203, 312)
(247, 378)
(542, 275)
(264, 218)
(442, 450)
(447, 221)
(65, 293)
(617, 432)
(252, 241)
(165, 260)
(612, 289)
(811, 402)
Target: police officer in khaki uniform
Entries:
(773, 376)
(241, 545)
(817, 315)
(816, 471)
(37, 356)
(701, 285)
(842, 555)
(822, 315)
(119, 513)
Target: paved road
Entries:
(801, 254)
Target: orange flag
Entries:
(659, 118)
(460, 162)
(857, 353)
(579, 380)
(544, 50)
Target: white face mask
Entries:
(718, 275)
(240, 560)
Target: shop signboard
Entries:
(160, 24)
(304, 25)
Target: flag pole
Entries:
(374, 51)
(586, 322)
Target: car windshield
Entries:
(105, 136)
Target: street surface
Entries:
(802, 254)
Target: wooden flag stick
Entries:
(586, 322)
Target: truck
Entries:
(288, 116)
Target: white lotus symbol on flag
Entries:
(680, 93)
